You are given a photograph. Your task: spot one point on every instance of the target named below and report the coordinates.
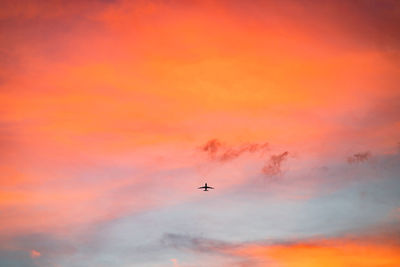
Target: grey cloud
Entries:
(193, 243)
(359, 157)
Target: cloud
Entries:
(331, 252)
(273, 166)
(212, 147)
(232, 153)
(206, 246)
(360, 249)
(161, 73)
(218, 151)
(35, 254)
(359, 157)
(193, 243)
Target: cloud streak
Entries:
(359, 157)
(364, 250)
(218, 151)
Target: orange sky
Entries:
(335, 253)
(100, 99)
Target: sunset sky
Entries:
(113, 113)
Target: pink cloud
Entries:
(35, 254)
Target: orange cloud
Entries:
(329, 253)
(211, 68)
(35, 254)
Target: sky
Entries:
(113, 113)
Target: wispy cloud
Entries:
(232, 153)
(180, 241)
(364, 249)
(212, 147)
(273, 166)
(219, 151)
(359, 157)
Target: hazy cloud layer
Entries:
(103, 102)
(372, 246)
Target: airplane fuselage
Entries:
(206, 187)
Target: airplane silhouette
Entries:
(205, 187)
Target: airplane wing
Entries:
(202, 187)
(210, 187)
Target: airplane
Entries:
(205, 187)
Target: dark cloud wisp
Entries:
(273, 166)
(359, 157)
(218, 151)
